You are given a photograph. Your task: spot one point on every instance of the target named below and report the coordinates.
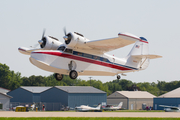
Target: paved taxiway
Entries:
(89, 114)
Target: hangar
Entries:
(171, 98)
(55, 97)
(4, 99)
(26, 95)
(72, 96)
(132, 100)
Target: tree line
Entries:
(12, 80)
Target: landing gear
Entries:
(73, 74)
(58, 76)
(118, 77)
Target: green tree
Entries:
(5, 76)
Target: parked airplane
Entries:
(110, 107)
(84, 108)
(170, 108)
(80, 56)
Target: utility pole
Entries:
(90, 80)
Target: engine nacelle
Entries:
(50, 43)
(75, 40)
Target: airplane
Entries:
(170, 108)
(110, 107)
(84, 108)
(81, 56)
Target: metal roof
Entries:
(35, 89)
(3, 90)
(6, 95)
(79, 89)
(172, 94)
(136, 94)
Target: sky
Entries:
(22, 23)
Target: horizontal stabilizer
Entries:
(147, 56)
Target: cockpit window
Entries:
(68, 50)
(61, 48)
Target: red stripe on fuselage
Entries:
(84, 60)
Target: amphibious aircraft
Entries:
(110, 107)
(170, 108)
(84, 108)
(80, 56)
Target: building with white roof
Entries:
(171, 98)
(132, 100)
(3, 90)
(4, 99)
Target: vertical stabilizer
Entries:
(120, 104)
(141, 47)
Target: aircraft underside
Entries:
(53, 62)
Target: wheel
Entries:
(73, 74)
(58, 76)
(118, 77)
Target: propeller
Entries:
(65, 31)
(67, 37)
(42, 42)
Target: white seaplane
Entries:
(80, 56)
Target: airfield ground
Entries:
(90, 114)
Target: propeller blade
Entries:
(65, 31)
(43, 33)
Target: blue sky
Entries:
(22, 23)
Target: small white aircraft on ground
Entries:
(84, 108)
(170, 108)
(80, 56)
(110, 107)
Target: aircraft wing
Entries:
(27, 51)
(173, 107)
(106, 45)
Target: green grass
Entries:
(86, 118)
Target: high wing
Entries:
(27, 51)
(106, 45)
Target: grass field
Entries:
(87, 118)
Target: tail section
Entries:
(120, 104)
(139, 55)
(99, 106)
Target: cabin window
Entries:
(68, 50)
(61, 48)
(80, 54)
(96, 57)
(105, 59)
(87, 55)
